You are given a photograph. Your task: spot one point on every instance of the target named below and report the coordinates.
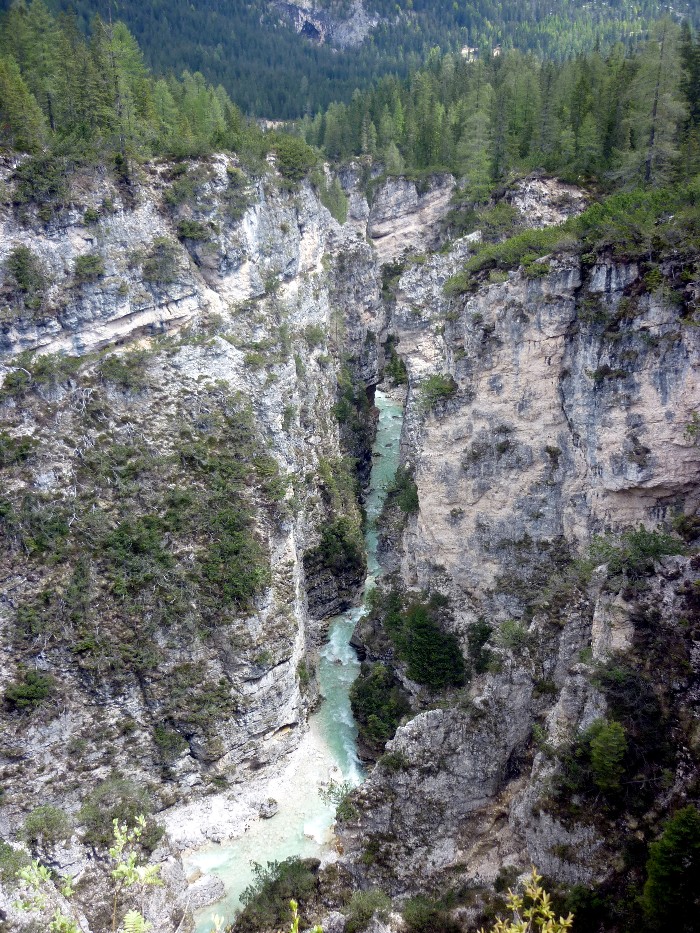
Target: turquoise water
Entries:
(303, 826)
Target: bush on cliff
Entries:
(671, 898)
(378, 704)
(416, 628)
(266, 902)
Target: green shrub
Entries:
(169, 742)
(237, 195)
(26, 276)
(193, 230)
(596, 761)
(266, 900)
(341, 548)
(294, 158)
(29, 691)
(363, 906)
(608, 746)
(403, 491)
(160, 267)
(50, 369)
(433, 656)
(523, 249)
(513, 635)
(116, 798)
(396, 368)
(423, 915)
(126, 370)
(89, 267)
(15, 449)
(378, 704)
(42, 180)
(331, 196)
(670, 897)
(497, 221)
(46, 825)
(436, 388)
(315, 336)
(12, 861)
(635, 552)
(477, 637)
(394, 761)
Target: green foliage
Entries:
(522, 249)
(416, 628)
(597, 761)
(331, 195)
(512, 634)
(608, 747)
(339, 795)
(89, 268)
(44, 370)
(477, 637)
(363, 906)
(436, 389)
(532, 911)
(315, 336)
(15, 449)
(127, 370)
(403, 491)
(42, 180)
(170, 743)
(46, 825)
(294, 158)
(116, 798)
(23, 126)
(26, 277)
(161, 265)
(29, 691)
(670, 897)
(11, 862)
(193, 230)
(378, 704)
(396, 368)
(635, 551)
(424, 915)
(341, 548)
(266, 900)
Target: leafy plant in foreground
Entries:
(532, 911)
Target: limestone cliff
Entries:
(168, 414)
(544, 409)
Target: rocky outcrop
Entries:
(574, 392)
(341, 28)
(405, 215)
(562, 414)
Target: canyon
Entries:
(231, 319)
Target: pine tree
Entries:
(21, 120)
(656, 110)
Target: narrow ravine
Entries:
(303, 826)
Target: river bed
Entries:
(303, 826)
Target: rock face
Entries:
(235, 296)
(340, 28)
(567, 418)
(405, 219)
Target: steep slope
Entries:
(166, 507)
(547, 408)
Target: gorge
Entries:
(199, 400)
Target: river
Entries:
(303, 826)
